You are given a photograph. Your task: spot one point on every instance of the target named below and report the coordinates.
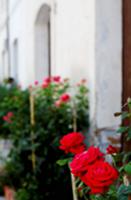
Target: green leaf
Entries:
(129, 102)
(62, 162)
(126, 157)
(125, 115)
(123, 192)
(127, 168)
(122, 129)
(129, 133)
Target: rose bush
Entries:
(103, 175)
(91, 168)
(36, 126)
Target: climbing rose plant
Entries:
(99, 175)
(34, 120)
(94, 175)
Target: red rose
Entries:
(111, 150)
(36, 83)
(82, 161)
(5, 118)
(65, 97)
(56, 79)
(58, 103)
(78, 149)
(72, 143)
(10, 114)
(45, 85)
(99, 177)
(8, 117)
(47, 80)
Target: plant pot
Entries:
(9, 193)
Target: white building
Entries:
(71, 38)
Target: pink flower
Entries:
(5, 118)
(8, 117)
(36, 82)
(56, 79)
(47, 80)
(10, 114)
(65, 97)
(45, 85)
(58, 103)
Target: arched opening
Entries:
(42, 43)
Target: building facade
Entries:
(72, 38)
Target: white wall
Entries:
(3, 37)
(108, 58)
(18, 30)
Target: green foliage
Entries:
(123, 192)
(63, 162)
(16, 101)
(31, 167)
(126, 116)
(127, 168)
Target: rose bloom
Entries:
(65, 97)
(72, 143)
(58, 103)
(7, 117)
(47, 80)
(82, 161)
(45, 85)
(36, 83)
(10, 114)
(111, 150)
(99, 177)
(56, 79)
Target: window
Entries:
(42, 43)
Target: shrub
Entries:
(100, 175)
(41, 115)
